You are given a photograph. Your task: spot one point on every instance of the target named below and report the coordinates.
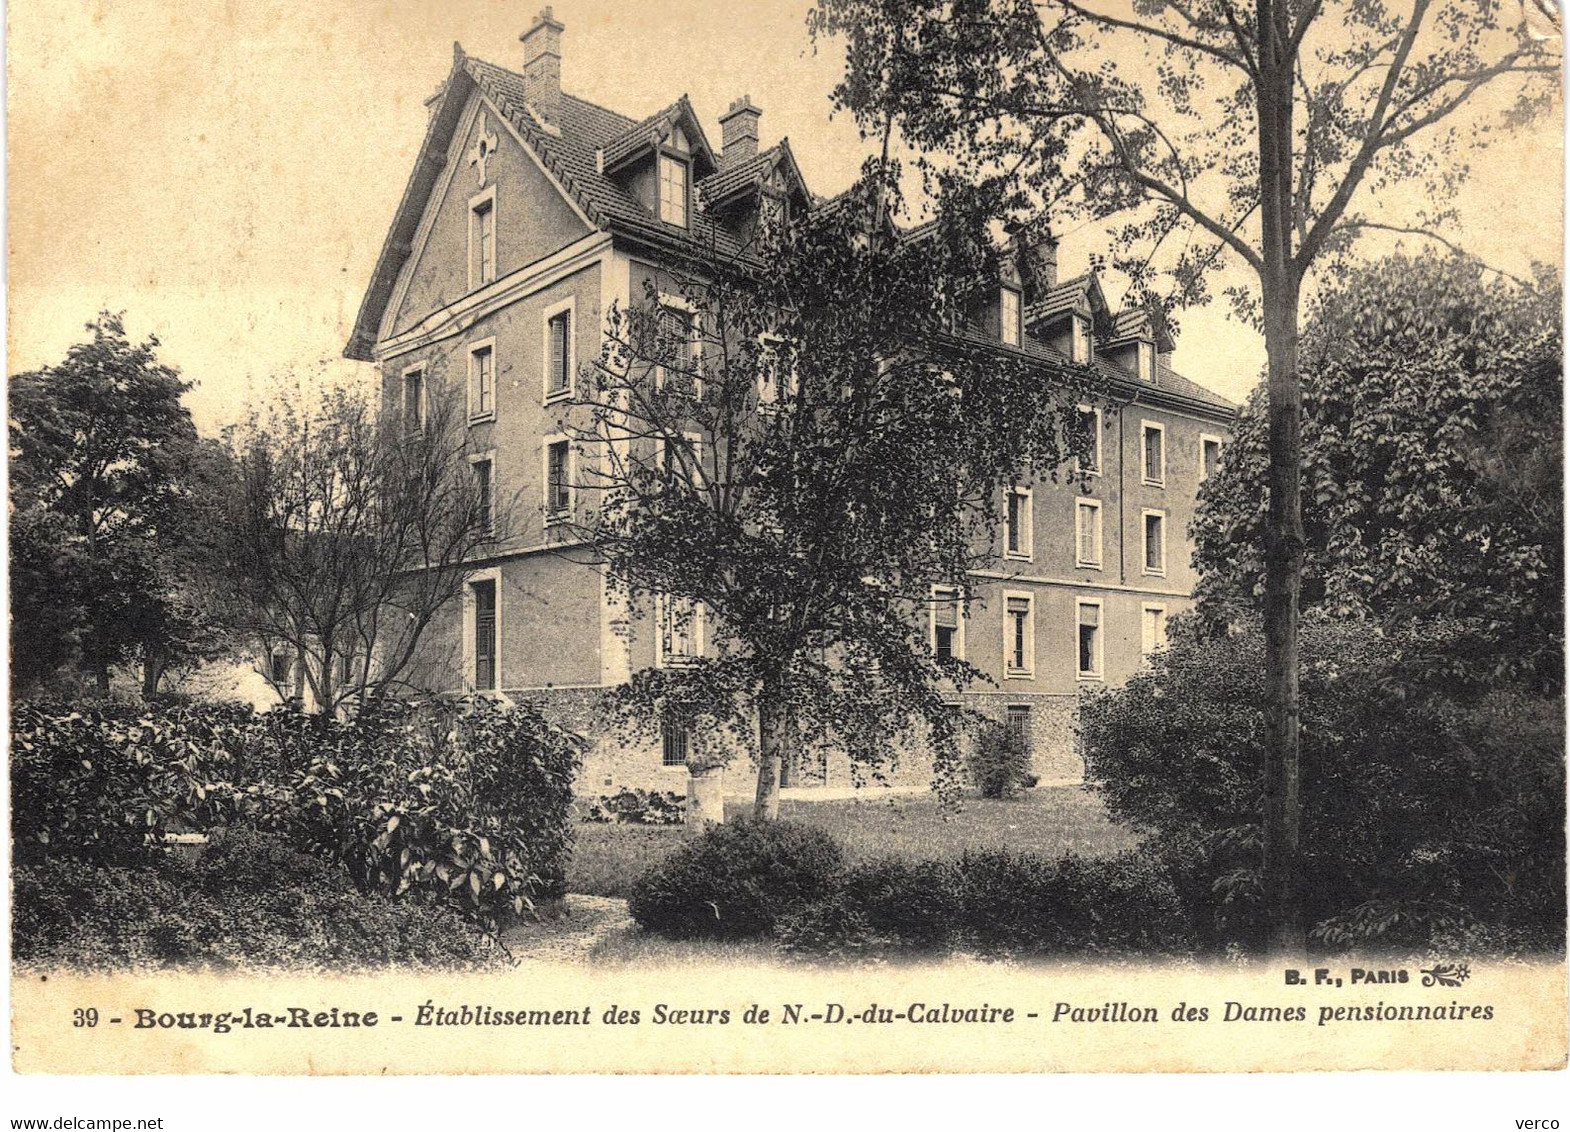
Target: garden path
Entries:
(569, 938)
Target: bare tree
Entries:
(1220, 130)
(350, 535)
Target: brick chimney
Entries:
(1036, 255)
(739, 131)
(542, 65)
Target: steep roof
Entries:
(1135, 324)
(653, 130)
(575, 147)
(732, 179)
(1064, 297)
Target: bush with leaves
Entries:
(994, 903)
(880, 908)
(104, 784)
(466, 804)
(1000, 762)
(736, 881)
(632, 806)
(251, 901)
(1430, 802)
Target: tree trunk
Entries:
(1280, 279)
(152, 673)
(1283, 583)
(773, 742)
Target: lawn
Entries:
(1051, 821)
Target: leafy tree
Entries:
(1216, 131)
(802, 454)
(348, 536)
(111, 490)
(1431, 462)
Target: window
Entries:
(414, 401)
(1087, 532)
(680, 622)
(1008, 313)
(1017, 719)
(484, 634)
(773, 210)
(1155, 449)
(279, 666)
(673, 190)
(1152, 629)
(1019, 646)
(947, 643)
(1080, 348)
(1155, 542)
(558, 482)
(675, 339)
(776, 371)
(1090, 640)
(558, 351)
(674, 744)
(482, 381)
(1017, 524)
(1089, 423)
(1209, 455)
(483, 487)
(482, 239)
(1147, 362)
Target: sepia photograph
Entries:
(815, 536)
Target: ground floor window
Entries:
(674, 745)
(1153, 629)
(1018, 722)
(485, 635)
(1089, 639)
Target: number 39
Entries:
(87, 1017)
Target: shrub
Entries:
(1429, 801)
(639, 807)
(736, 880)
(880, 908)
(1022, 904)
(103, 784)
(1000, 763)
(251, 901)
(466, 802)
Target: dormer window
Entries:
(1081, 343)
(773, 210)
(673, 190)
(1147, 362)
(1008, 316)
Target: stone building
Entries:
(530, 212)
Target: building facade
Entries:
(530, 214)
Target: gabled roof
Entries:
(1137, 325)
(569, 149)
(1062, 299)
(742, 176)
(639, 139)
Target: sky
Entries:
(225, 171)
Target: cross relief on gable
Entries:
(484, 146)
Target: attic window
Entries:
(673, 190)
(1147, 362)
(1081, 344)
(773, 209)
(1008, 315)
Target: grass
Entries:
(1051, 821)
